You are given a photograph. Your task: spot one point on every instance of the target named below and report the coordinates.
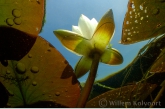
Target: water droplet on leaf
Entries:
(34, 69)
(16, 13)
(141, 7)
(30, 55)
(129, 33)
(128, 39)
(49, 49)
(145, 11)
(136, 21)
(21, 68)
(127, 22)
(17, 21)
(34, 83)
(57, 93)
(9, 22)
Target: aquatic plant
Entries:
(143, 21)
(92, 41)
(42, 78)
(34, 74)
(31, 68)
(137, 72)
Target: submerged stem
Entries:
(89, 83)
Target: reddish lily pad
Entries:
(127, 96)
(43, 75)
(159, 65)
(143, 20)
(24, 15)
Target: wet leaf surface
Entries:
(24, 15)
(43, 75)
(143, 20)
(127, 96)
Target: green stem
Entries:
(89, 83)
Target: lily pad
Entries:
(143, 20)
(42, 76)
(127, 96)
(24, 15)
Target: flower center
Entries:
(94, 51)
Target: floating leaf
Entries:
(42, 77)
(159, 65)
(14, 44)
(24, 15)
(144, 19)
(127, 96)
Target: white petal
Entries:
(76, 29)
(85, 26)
(94, 24)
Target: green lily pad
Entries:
(143, 20)
(42, 76)
(24, 15)
(127, 96)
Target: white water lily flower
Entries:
(88, 38)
